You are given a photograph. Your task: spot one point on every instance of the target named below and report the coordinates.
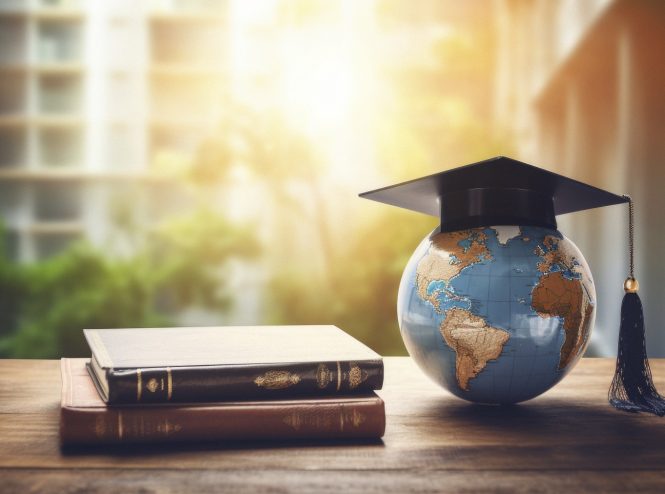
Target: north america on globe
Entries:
(497, 314)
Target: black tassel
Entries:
(632, 388)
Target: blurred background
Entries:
(197, 162)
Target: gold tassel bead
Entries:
(631, 285)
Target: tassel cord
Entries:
(631, 237)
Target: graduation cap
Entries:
(503, 191)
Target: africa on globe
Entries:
(496, 315)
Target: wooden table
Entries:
(567, 440)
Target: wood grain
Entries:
(568, 439)
(327, 482)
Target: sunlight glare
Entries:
(316, 85)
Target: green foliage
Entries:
(46, 304)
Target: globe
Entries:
(496, 315)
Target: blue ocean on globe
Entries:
(496, 315)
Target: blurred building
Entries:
(579, 83)
(95, 97)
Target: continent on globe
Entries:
(558, 296)
(447, 256)
(562, 254)
(474, 341)
(567, 297)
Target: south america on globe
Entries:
(497, 314)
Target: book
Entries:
(86, 419)
(160, 365)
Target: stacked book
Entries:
(221, 384)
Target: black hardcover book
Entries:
(160, 365)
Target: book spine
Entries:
(223, 383)
(306, 420)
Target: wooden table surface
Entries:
(567, 440)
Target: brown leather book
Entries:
(160, 365)
(86, 419)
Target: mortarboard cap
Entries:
(497, 191)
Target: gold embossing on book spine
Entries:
(323, 376)
(120, 426)
(317, 422)
(169, 384)
(139, 385)
(152, 385)
(356, 376)
(353, 417)
(166, 428)
(339, 376)
(277, 380)
(293, 420)
(357, 418)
